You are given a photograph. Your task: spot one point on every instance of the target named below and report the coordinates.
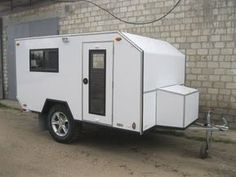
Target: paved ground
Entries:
(10, 103)
(101, 152)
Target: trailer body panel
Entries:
(110, 78)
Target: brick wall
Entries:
(204, 30)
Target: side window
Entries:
(44, 60)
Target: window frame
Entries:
(44, 70)
(91, 53)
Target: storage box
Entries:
(177, 106)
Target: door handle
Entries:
(85, 81)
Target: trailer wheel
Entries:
(61, 125)
(204, 151)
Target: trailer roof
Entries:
(151, 45)
(146, 44)
(67, 35)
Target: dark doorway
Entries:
(1, 62)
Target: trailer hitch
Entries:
(210, 128)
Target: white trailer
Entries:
(114, 79)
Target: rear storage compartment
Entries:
(177, 106)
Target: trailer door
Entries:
(97, 82)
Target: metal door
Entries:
(13, 31)
(30, 29)
(1, 67)
(97, 82)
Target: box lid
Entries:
(179, 89)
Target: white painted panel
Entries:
(149, 111)
(191, 108)
(163, 70)
(127, 86)
(177, 106)
(163, 66)
(179, 89)
(170, 109)
(35, 87)
(108, 47)
(156, 46)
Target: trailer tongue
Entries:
(209, 127)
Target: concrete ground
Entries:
(103, 152)
(10, 103)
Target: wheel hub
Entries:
(60, 123)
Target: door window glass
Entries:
(97, 82)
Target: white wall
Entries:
(149, 110)
(35, 87)
(163, 70)
(159, 71)
(127, 86)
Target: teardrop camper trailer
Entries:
(114, 79)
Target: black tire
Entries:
(72, 126)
